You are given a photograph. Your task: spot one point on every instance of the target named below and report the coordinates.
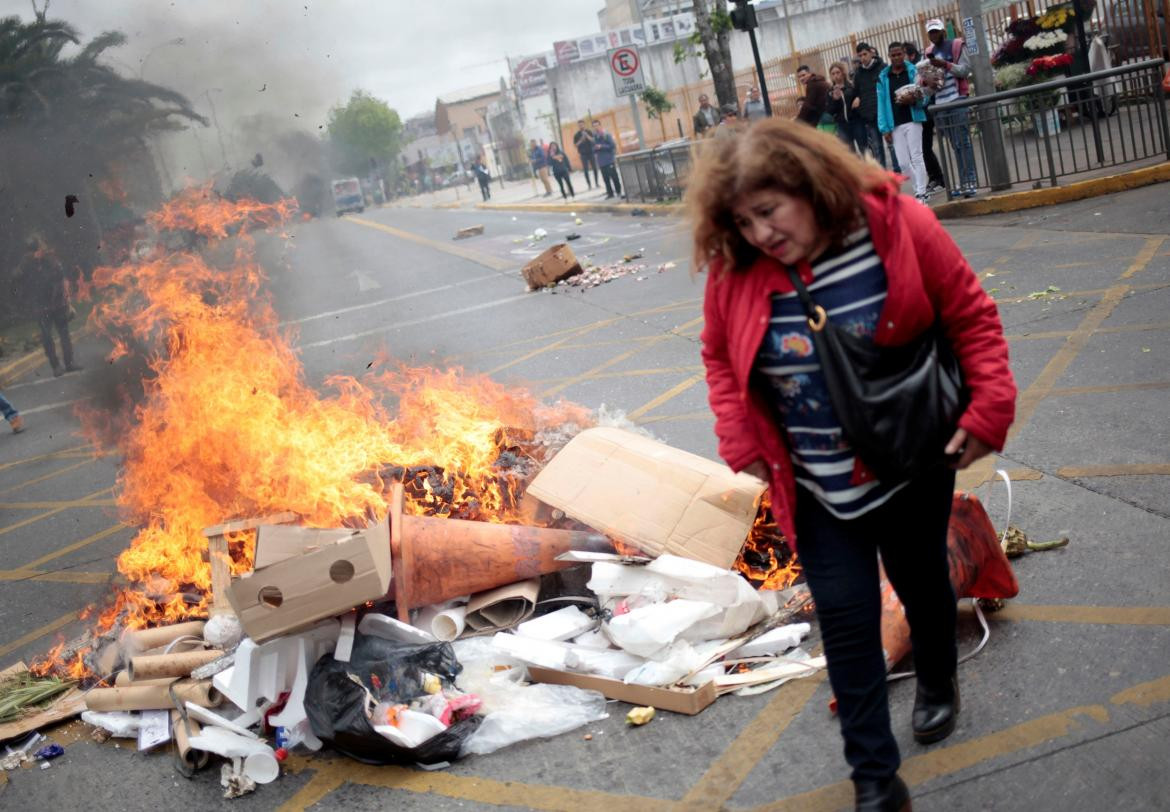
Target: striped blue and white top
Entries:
(850, 283)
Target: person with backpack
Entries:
(951, 57)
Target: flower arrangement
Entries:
(1012, 76)
(1057, 18)
(929, 77)
(1041, 66)
(1046, 40)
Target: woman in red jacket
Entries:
(782, 195)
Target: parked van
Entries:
(347, 196)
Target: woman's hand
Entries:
(966, 448)
(856, 103)
(758, 469)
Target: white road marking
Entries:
(401, 324)
(365, 282)
(378, 303)
(50, 406)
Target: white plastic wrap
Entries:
(649, 630)
(533, 712)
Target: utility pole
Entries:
(979, 54)
(743, 18)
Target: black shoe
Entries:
(890, 795)
(935, 712)
(74, 367)
(58, 371)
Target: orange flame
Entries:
(229, 428)
(766, 559)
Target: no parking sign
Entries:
(625, 65)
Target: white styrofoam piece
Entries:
(263, 671)
(668, 576)
(209, 717)
(772, 642)
(559, 625)
(593, 639)
(120, 724)
(680, 659)
(293, 715)
(388, 628)
(648, 630)
(260, 762)
(708, 674)
(413, 728)
(545, 653)
(344, 648)
(612, 663)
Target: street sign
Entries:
(625, 65)
(969, 36)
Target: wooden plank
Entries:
(220, 558)
(236, 525)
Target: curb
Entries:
(1033, 198)
(604, 208)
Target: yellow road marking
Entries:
(677, 418)
(37, 634)
(1103, 615)
(38, 457)
(48, 513)
(1144, 256)
(479, 258)
(1152, 326)
(550, 347)
(59, 576)
(1017, 738)
(77, 545)
(669, 394)
(604, 365)
(73, 503)
(1082, 294)
(1147, 469)
(467, 788)
(736, 762)
(625, 373)
(46, 477)
(1112, 388)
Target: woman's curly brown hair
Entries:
(787, 156)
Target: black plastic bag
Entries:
(392, 672)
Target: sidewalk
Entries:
(527, 193)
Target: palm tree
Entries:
(68, 121)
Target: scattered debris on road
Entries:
(469, 231)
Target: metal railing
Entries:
(1053, 130)
(655, 174)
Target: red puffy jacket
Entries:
(927, 276)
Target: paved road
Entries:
(1067, 708)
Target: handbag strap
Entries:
(814, 312)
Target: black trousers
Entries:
(588, 159)
(563, 182)
(933, 169)
(59, 318)
(613, 186)
(840, 560)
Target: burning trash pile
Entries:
(421, 566)
(372, 569)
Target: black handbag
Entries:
(898, 406)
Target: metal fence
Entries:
(1054, 130)
(655, 174)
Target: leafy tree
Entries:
(711, 41)
(365, 128)
(66, 124)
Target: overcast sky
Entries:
(300, 57)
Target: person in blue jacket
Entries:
(901, 122)
(539, 160)
(605, 149)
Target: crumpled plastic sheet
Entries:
(515, 712)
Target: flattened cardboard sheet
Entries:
(658, 498)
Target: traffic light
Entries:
(743, 16)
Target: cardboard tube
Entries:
(146, 639)
(191, 758)
(181, 664)
(152, 697)
(122, 680)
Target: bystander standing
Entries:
(865, 81)
(539, 160)
(753, 108)
(900, 117)
(816, 96)
(706, 118)
(951, 57)
(43, 279)
(850, 128)
(583, 141)
(606, 150)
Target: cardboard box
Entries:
(322, 581)
(279, 542)
(680, 700)
(469, 231)
(555, 264)
(645, 493)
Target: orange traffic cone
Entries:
(435, 560)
